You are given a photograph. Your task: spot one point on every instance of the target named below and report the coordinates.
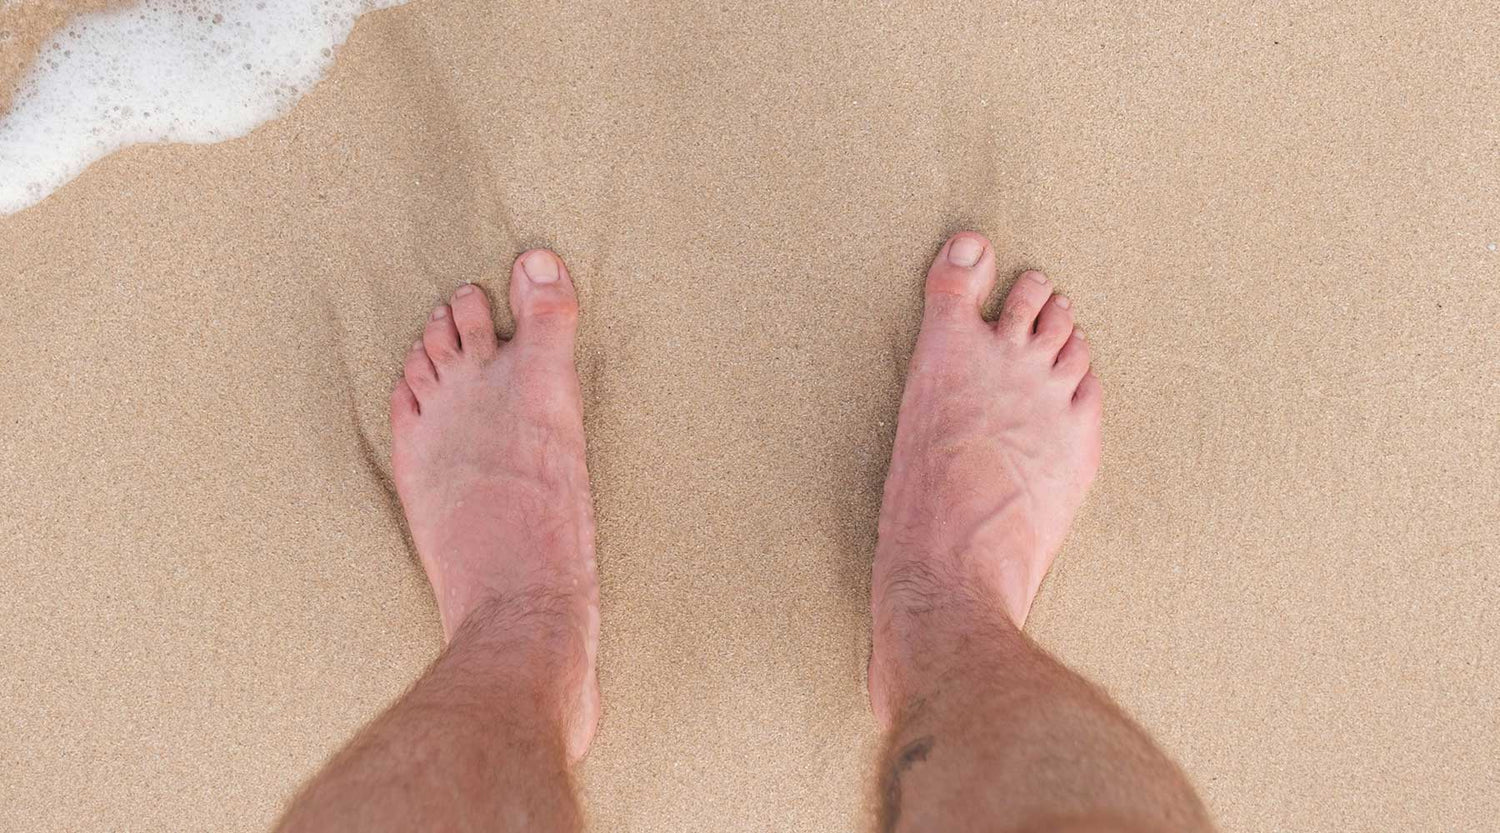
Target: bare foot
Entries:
(488, 457)
(997, 442)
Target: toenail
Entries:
(416, 345)
(1036, 276)
(1078, 333)
(463, 290)
(1062, 301)
(965, 252)
(439, 312)
(541, 267)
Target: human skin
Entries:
(997, 443)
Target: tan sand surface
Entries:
(1278, 221)
(24, 24)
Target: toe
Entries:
(404, 408)
(420, 374)
(961, 277)
(471, 317)
(441, 338)
(543, 300)
(1072, 360)
(1018, 314)
(1054, 324)
(1090, 394)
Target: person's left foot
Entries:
(487, 454)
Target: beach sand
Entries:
(24, 25)
(1279, 230)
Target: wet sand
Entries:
(24, 26)
(1279, 232)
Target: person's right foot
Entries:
(996, 444)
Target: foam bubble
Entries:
(162, 71)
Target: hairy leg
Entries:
(997, 443)
(477, 744)
(488, 458)
(999, 736)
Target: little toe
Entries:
(471, 317)
(441, 338)
(420, 374)
(1072, 360)
(960, 278)
(1018, 314)
(1054, 324)
(404, 407)
(543, 300)
(1090, 395)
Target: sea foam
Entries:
(162, 71)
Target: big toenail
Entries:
(463, 290)
(439, 312)
(1062, 301)
(965, 252)
(1037, 276)
(541, 267)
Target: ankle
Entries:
(940, 597)
(529, 647)
(930, 632)
(971, 582)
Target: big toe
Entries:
(961, 276)
(543, 300)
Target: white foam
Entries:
(162, 71)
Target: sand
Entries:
(1278, 227)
